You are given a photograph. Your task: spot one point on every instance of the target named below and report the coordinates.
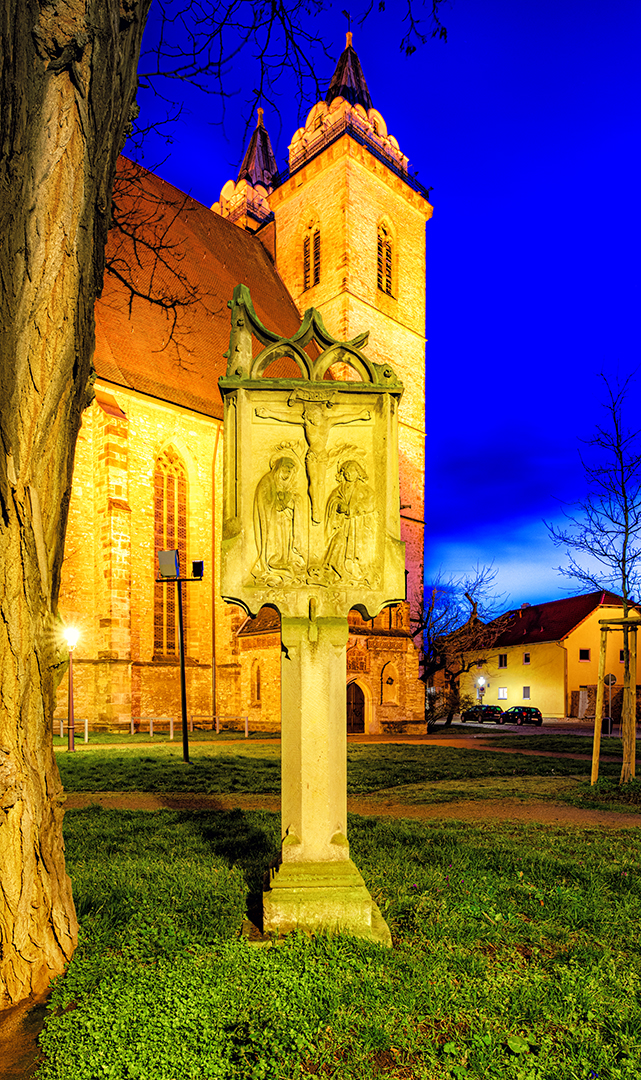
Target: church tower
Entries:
(350, 241)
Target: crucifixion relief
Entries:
(311, 526)
(316, 419)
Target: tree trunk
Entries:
(67, 83)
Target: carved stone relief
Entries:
(277, 506)
(310, 514)
(312, 410)
(350, 531)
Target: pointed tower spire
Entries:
(348, 80)
(259, 163)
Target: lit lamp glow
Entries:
(71, 637)
(480, 682)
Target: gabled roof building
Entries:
(548, 657)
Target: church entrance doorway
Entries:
(355, 709)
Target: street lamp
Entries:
(71, 637)
(480, 682)
(169, 569)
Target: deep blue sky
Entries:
(526, 123)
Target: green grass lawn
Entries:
(516, 956)
(562, 744)
(106, 738)
(406, 773)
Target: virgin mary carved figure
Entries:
(275, 509)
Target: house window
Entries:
(584, 655)
(384, 261)
(502, 693)
(502, 659)
(170, 531)
(311, 258)
(526, 657)
(622, 656)
(526, 693)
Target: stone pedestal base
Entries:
(329, 896)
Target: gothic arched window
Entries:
(170, 531)
(311, 257)
(255, 684)
(384, 260)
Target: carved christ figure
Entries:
(315, 417)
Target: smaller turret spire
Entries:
(259, 163)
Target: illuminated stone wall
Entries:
(348, 194)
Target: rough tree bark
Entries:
(67, 84)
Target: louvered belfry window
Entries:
(311, 258)
(170, 531)
(306, 263)
(384, 261)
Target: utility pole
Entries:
(169, 569)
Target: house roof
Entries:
(266, 621)
(202, 256)
(554, 620)
(348, 80)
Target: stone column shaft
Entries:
(314, 740)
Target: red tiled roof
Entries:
(134, 349)
(554, 620)
(267, 621)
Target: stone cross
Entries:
(311, 527)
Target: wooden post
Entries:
(598, 712)
(632, 630)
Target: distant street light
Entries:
(169, 569)
(480, 682)
(71, 637)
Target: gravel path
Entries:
(465, 810)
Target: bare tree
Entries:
(457, 627)
(276, 43)
(602, 539)
(68, 80)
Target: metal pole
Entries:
(598, 712)
(171, 728)
(86, 729)
(183, 686)
(70, 726)
(610, 706)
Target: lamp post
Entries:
(71, 637)
(480, 682)
(169, 569)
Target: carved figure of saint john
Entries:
(350, 525)
(275, 507)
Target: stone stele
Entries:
(311, 527)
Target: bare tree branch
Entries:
(605, 528)
(458, 624)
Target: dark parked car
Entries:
(521, 714)
(478, 713)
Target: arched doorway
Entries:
(355, 709)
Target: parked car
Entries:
(521, 714)
(478, 713)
